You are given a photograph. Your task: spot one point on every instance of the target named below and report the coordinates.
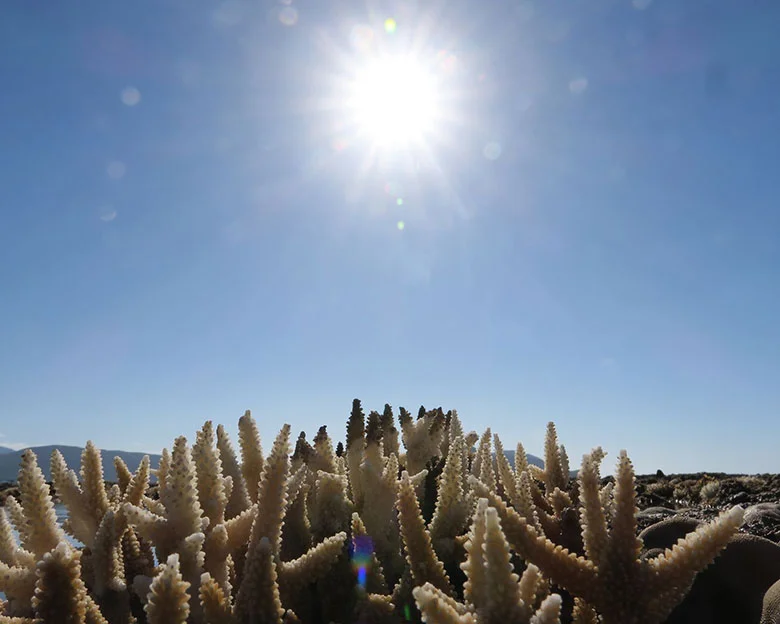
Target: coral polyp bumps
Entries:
(433, 524)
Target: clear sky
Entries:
(572, 216)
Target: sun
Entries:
(394, 101)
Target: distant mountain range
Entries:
(532, 459)
(9, 460)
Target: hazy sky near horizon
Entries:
(193, 223)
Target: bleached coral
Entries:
(382, 531)
(613, 579)
(168, 601)
(494, 593)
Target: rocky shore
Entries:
(702, 496)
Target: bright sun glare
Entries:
(394, 100)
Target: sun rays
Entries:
(389, 103)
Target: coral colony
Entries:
(427, 524)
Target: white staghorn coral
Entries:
(452, 506)
(139, 483)
(324, 457)
(98, 521)
(181, 512)
(363, 547)
(483, 464)
(613, 580)
(123, 473)
(238, 499)
(263, 571)
(39, 530)
(378, 475)
(258, 599)
(555, 474)
(425, 565)
(86, 498)
(389, 432)
(168, 601)
(40, 534)
(184, 514)
(7, 543)
(212, 490)
(215, 602)
(92, 484)
(107, 561)
(18, 583)
(251, 454)
(436, 609)
(272, 494)
(521, 460)
(496, 593)
(328, 536)
(180, 528)
(476, 586)
(356, 443)
(422, 439)
(296, 532)
(60, 594)
(313, 564)
(193, 495)
(259, 591)
(331, 508)
(208, 471)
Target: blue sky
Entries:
(191, 225)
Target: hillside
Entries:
(9, 461)
(532, 459)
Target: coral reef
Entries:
(421, 523)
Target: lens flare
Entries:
(362, 548)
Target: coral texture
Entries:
(424, 522)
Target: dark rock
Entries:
(739, 498)
(770, 613)
(732, 589)
(665, 534)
